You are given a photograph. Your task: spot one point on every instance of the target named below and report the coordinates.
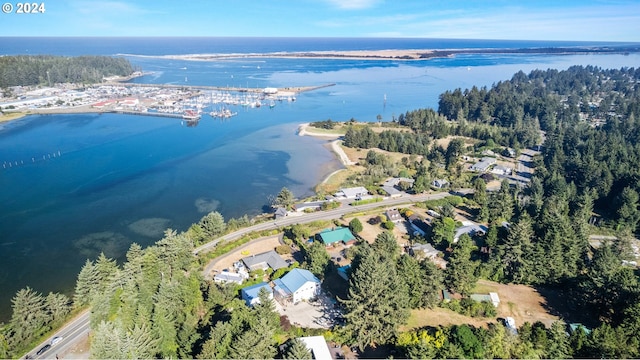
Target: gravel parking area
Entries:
(318, 314)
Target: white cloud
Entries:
(354, 4)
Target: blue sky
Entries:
(589, 20)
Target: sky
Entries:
(577, 20)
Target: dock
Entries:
(291, 89)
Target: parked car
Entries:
(43, 349)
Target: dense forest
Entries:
(42, 69)
(157, 303)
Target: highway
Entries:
(320, 215)
(73, 332)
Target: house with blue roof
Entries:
(250, 294)
(332, 237)
(297, 285)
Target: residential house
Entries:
(318, 347)
(228, 277)
(352, 193)
(297, 285)
(391, 186)
(469, 228)
(250, 294)
(423, 251)
(394, 215)
(483, 165)
(501, 170)
(265, 260)
(418, 226)
(280, 213)
(440, 183)
(333, 237)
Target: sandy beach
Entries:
(333, 146)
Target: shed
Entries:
(280, 213)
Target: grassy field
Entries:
(523, 303)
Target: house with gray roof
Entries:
(483, 165)
(265, 260)
(352, 193)
(423, 251)
(297, 285)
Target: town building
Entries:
(297, 285)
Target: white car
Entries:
(56, 340)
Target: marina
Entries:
(188, 102)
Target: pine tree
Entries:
(377, 300)
(460, 272)
(296, 349)
(86, 284)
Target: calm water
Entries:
(108, 180)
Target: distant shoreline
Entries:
(393, 54)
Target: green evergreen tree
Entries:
(460, 272)
(296, 349)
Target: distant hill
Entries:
(46, 69)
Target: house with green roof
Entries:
(335, 236)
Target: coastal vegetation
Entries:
(27, 70)
(158, 304)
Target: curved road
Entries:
(320, 215)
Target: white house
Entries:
(227, 277)
(440, 183)
(352, 193)
(318, 347)
(297, 285)
(501, 170)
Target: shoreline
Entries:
(398, 54)
(333, 146)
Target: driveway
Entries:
(318, 314)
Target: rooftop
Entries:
(333, 236)
(266, 259)
(294, 280)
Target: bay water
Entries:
(81, 184)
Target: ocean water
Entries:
(87, 183)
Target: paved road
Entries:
(72, 333)
(320, 215)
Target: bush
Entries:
(389, 225)
(375, 220)
(283, 249)
(355, 225)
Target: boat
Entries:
(272, 104)
(191, 115)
